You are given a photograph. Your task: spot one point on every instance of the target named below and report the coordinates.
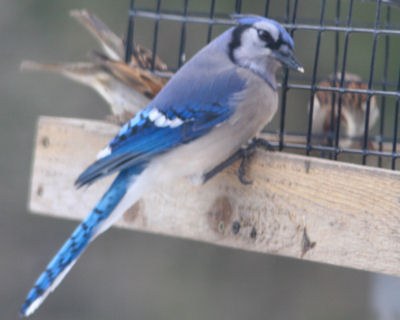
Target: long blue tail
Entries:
(65, 258)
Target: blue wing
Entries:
(182, 112)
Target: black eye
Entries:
(265, 36)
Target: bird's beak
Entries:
(288, 60)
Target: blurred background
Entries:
(129, 274)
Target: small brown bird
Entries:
(126, 88)
(354, 105)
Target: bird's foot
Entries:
(233, 158)
(244, 154)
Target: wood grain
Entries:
(297, 206)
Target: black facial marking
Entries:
(235, 41)
(265, 36)
(279, 42)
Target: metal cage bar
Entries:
(130, 33)
(371, 75)
(343, 72)
(210, 26)
(181, 55)
(284, 86)
(335, 70)
(173, 16)
(155, 35)
(384, 87)
(395, 130)
(314, 79)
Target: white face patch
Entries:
(161, 120)
(252, 50)
(251, 47)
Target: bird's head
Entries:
(261, 45)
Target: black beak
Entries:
(288, 60)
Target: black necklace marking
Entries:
(235, 42)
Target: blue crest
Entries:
(251, 19)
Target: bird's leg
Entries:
(242, 153)
(233, 158)
(248, 152)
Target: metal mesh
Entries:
(333, 37)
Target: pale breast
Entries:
(257, 104)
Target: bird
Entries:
(127, 88)
(353, 110)
(210, 109)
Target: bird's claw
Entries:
(242, 172)
(247, 152)
(244, 154)
(258, 142)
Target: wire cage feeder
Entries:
(349, 51)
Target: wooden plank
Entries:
(297, 206)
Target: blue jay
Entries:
(216, 103)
